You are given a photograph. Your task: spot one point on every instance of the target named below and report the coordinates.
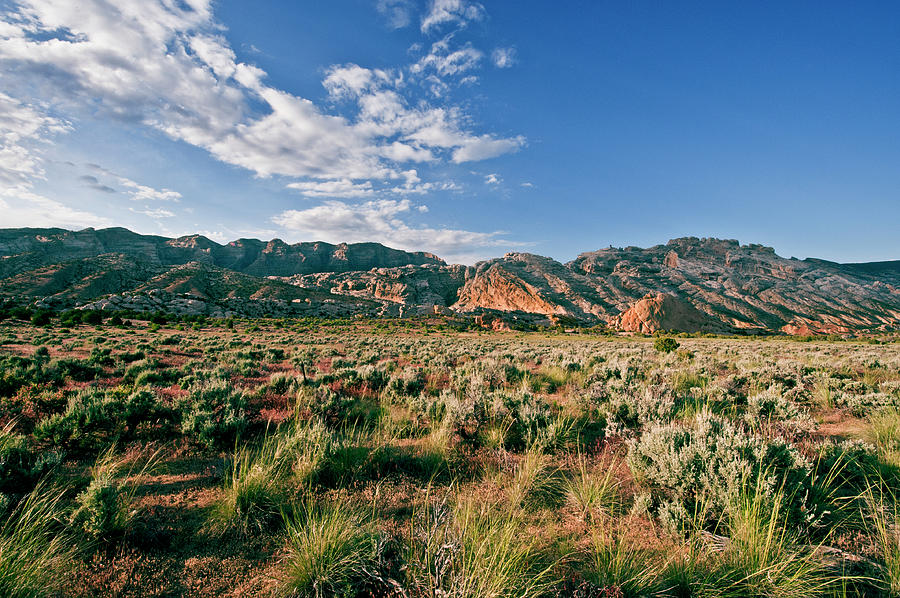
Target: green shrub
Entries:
(710, 460)
(214, 415)
(94, 419)
(90, 316)
(40, 318)
(100, 357)
(103, 512)
(73, 369)
(21, 468)
(338, 409)
(104, 509)
(665, 344)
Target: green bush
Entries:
(214, 415)
(338, 409)
(665, 344)
(709, 461)
(40, 318)
(103, 512)
(90, 316)
(21, 468)
(104, 509)
(94, 419)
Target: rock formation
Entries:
(661, 311)
(687, 284)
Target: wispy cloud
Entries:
(453, 12)
(503, 58)
(134, 190)
(340, 188)
(397, 12)
(93, 183)
(445, 60)
(384, 221)
(155, 213)
(166, 65)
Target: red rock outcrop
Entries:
(661, 311)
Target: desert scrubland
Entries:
(419, 458)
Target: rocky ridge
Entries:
(25, 249)
(689, 284)
(707, 284)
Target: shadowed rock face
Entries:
(688, 284)
(28, 248)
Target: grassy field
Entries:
(392, 459)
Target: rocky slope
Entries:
(706, 284)
(687, 284)
(25, 249)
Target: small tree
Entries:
(665, 344)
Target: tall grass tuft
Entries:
(329, 550)
(263, 478)
(535, 481)
(470, 552)
(592, 494)
(761, 556)
(619, 566)
(882, 511)
(35, 551)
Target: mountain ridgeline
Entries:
(688, 284)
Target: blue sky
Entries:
(463, 128)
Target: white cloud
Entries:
(339, 188)
(167, 65)
(527, 185)
(140, 192)
(352, 80)
(458, 12)
(22, 208)
(446, 61)
(155, 213)
(503, 58)
(397, 12)
(22, 129)
(492, 179)
(474, 149)
(382, 221)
